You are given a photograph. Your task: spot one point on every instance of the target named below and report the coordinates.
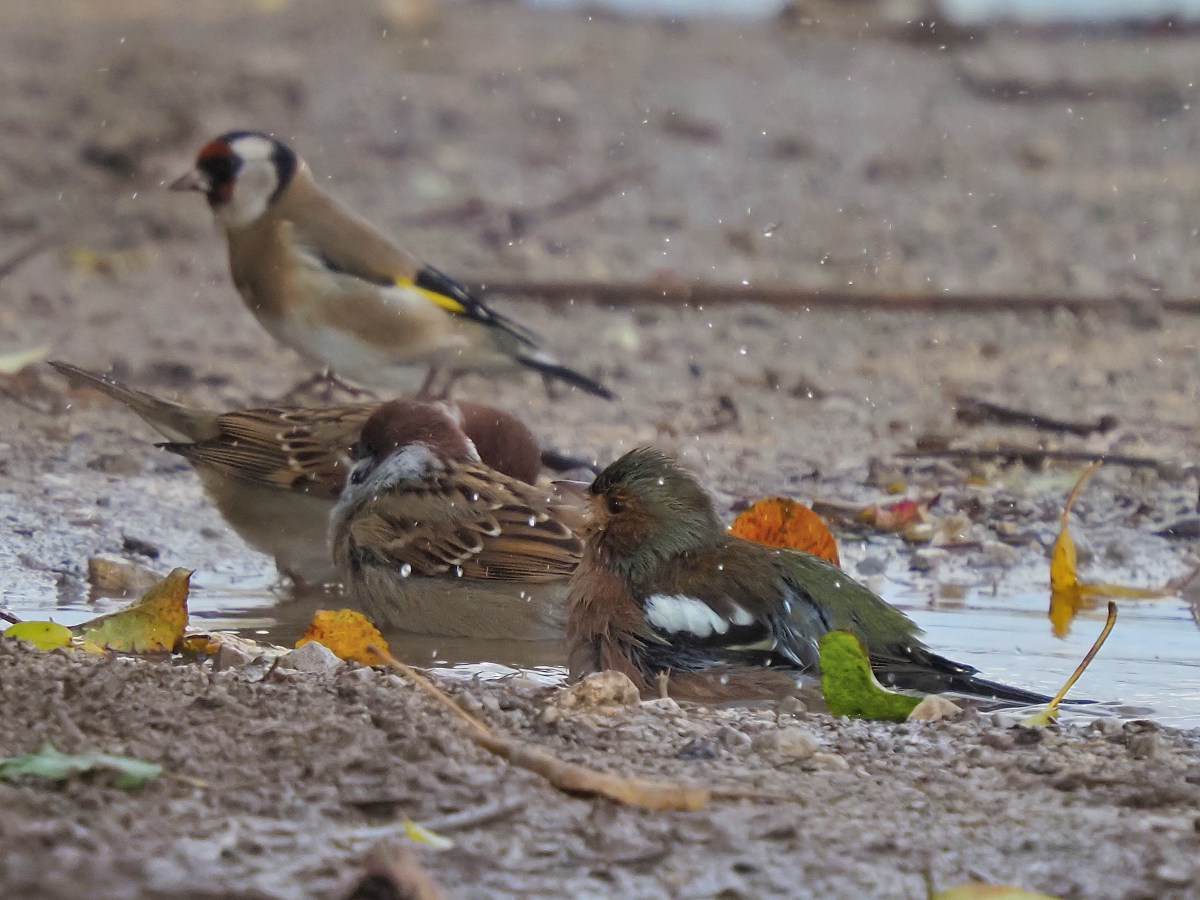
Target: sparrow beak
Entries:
(195, 180)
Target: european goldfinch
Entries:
(328, 284)
(429, 539)
(664, 588)
(274, 473)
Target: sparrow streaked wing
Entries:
(466, 518)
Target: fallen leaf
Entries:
(419, 834)
(43, 635)
(849, 685)
(347, 633)
(49, 763)
(1069, 595)
(13, 362)
(1046, 716)
(154, 623)
(898, 516)
(782, 522)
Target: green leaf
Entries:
(43, 635)
(49, 763)
(849, 684)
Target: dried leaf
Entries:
(849, 685)
(50, 764)
(347, 633)
(43, 635)
(1048, 715)
(782, 522)
(1069, 595)
(154, 623)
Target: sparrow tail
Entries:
(172, 420)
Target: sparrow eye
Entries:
(614, 504)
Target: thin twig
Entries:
(1035, 454)
(795, 297)
(972, 411)
(567, 777)
(478, 815)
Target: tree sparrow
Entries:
(275, 472)
(429, 539)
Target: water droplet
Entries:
(662, 481)
(532, 521)
(405, 570)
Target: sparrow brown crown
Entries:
(399, 423)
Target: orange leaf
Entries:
(347, 633)
(782, 522)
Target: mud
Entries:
(733, 152)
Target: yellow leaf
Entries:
(43, 635)
(1068, 595)
(979, 891)
(1063, 574)
(347, 633)
(419, 834)
(782, 522)
(153, 623)
(1048, 715)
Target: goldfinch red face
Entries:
(240, 173)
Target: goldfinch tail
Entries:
(550, 368)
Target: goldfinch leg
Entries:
(321, 386)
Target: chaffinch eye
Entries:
(614, 504)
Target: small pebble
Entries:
(312, 657)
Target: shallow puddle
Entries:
(1150, 665)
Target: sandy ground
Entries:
(811, 156)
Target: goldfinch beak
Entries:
(195, 180)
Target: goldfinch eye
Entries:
(614, 504)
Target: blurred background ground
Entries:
(839, 146)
